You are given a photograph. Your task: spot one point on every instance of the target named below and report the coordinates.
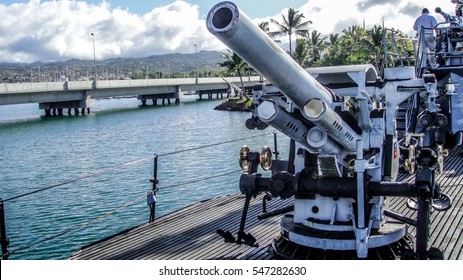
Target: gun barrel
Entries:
(331, 123)
(314, 139)
(444, 14)
(231, 26)
(234, 28)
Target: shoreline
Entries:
(236, 105)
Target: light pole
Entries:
(94, 56)
(197, 70)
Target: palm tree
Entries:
(353, 40)
(265, 26)
(301, 53)
(374, 42)
(336, 54)
(376, 35)
(234, 64)
(292, 24)
(316, 45)
(334, 38)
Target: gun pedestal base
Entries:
(296, 241)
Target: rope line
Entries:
(213, 145)
(199, 180)
(129, 164)
(80, 178)
(114, 211)
(78, 227)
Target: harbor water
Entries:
(92, 172)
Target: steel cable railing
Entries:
(5, 241)
(130, 164)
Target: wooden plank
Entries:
(190, 233)
(137, 240)
(161, 227)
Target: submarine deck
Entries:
(190, 233)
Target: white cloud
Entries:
(60, 30)
(328, 16)
(334, 16)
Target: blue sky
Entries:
(254, 8)
(39, 30)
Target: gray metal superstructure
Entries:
(345, 152)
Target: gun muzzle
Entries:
(231, 26)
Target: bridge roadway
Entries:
(81, 94)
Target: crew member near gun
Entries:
(428, 23)
(458, 7)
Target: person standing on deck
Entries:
(458, 7)
(427, 22)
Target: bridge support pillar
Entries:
(179, 95)
(219, 93)
(56, 108)
(165, 97)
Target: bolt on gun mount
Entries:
(346, 150)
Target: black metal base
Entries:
(283, 248)
(337, 242)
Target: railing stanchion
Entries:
(4, 240)
(152, 195)
(275, 143)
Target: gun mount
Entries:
(453, 20)
(344, 154)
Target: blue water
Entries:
(38, 152)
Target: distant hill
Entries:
(175, 64)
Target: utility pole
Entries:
(94, 56)
(197, 69)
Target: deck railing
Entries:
(150, 196)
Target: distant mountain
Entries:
(114, 68)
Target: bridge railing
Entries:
(104, 84)
(31, 87)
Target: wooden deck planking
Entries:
(204, 232)
(167, 236)
(447, 226)
(148, 231)
(232, 223)
(171, 224)
(190, 233)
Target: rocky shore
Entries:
(235, 104)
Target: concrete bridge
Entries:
(79, 96)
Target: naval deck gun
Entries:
(344, 154)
